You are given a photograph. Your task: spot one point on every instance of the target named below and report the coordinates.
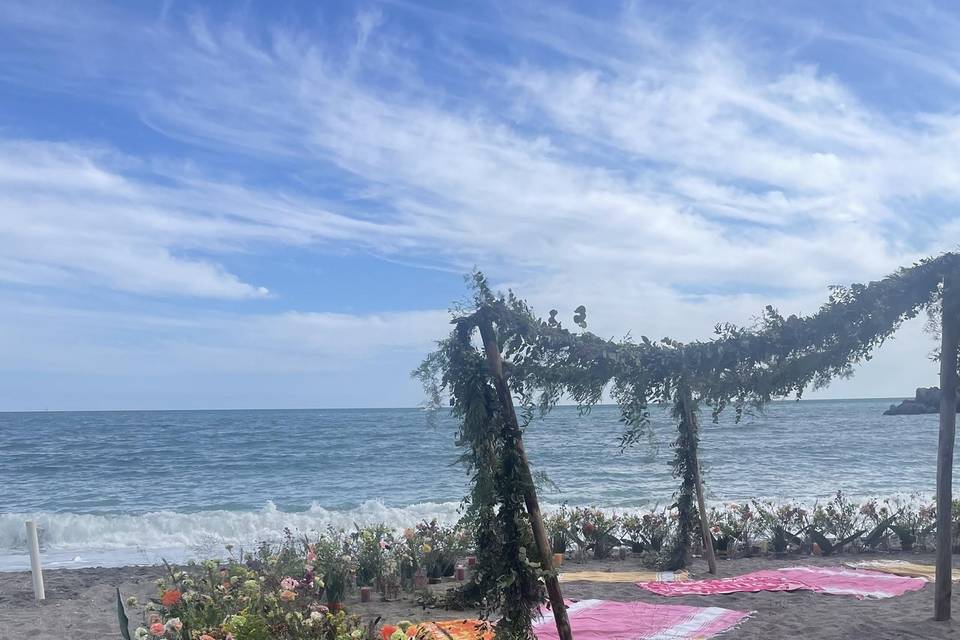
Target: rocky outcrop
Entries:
(925, 400)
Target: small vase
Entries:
(558, 560)
(420, 580)
(460, 573)
(471, 561)
(366, 593)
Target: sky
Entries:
(273, 205)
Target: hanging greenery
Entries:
(740, 366)
(508, 578)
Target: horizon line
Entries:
(372, 408)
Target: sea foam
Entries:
(71, 539)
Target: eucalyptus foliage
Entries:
(740, 367)
(507, 579)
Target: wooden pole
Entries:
(949, 340)
(686, 399)
(36, 570)
(492, 350)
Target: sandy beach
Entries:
(81, 604)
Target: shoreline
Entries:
(178, 537)
(81, 603)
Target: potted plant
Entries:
(784, 524)
(725, 530)
(913, 523)
(558, 543)
(335, 580)
(556, 526)
(598, 528)
(371, 547)
(392, 585)
(835, 525)
(646, 532)
(439, 548)
(881, 518)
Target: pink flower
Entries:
(157, 629)
(289, 584)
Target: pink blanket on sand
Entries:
(835, 580)
(606, 620)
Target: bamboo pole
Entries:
(949, 341)
(492, 350)
(686, 399)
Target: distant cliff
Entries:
(925, 400)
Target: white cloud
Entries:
(76, 216)
(666, 181)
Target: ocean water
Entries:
(110, 488)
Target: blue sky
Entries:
(268, 204)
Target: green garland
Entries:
(507, 579)
(740, 366)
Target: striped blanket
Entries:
(902, 568)
(833, 580)
(624, 576)
(606, 620)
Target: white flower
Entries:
(141, 633)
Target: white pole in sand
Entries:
(35, 567)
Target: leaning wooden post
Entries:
(492, 349)
(949, 340)
(686, 399)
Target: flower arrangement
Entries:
(557, 525)
(784, 524)
(245, 599)
(910, 524)
(283, 590)
(337, 574)
(439, 547)
(836, 524)
(372, 548)
(647, 532)
(594, 530)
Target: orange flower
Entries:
(170, 597)
(288, 596)
(385, 632)
(207, 637)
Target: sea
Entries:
(135, 487)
